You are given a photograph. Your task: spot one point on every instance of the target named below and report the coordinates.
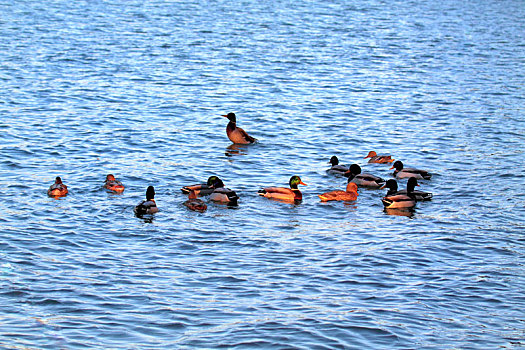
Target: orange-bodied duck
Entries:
(235, 134)
(363, 180)
(201, 189)
(195, 204)
(113, 184)
(149, 206)
(58, 189)
(374, 158)
(337, 169)
(401, 201)
(291, 194)
(349, 195)
(412, 183)
(222, 194)
(401, 172)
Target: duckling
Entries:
(222, 194)
(112, 184)
(291, 194)
(349, 195)
(148, 206)
(395, 200)
(235, 134)
(402, 172)
(337, 169)
(58, 189)
(363, 180)
(193, 203)
(412, 182)
(201, 189)
(374, 158)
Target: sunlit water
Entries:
(138, 89)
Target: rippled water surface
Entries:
(137, 88)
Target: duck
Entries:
(349, 195)
(374, 158)
(235, 134)
(58, 189)
(291, 194)
(113, 184)
(149, 206)
(396, 200)
(222, 194)
(337, 169)
(195, 204)
(401, 172)
(411, 184)
(363, 180)
(201, 189)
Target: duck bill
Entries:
(302, 183)
(224, 115)
(392, 168)
(384, 186)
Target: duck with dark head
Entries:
(58, 189)
(149, 206)
(236, 134)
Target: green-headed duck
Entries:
(235, 134)
(291, 194)
(363, 180)
(201, 189)
(401, 172)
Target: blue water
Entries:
(138, 88)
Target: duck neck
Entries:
(231, 126)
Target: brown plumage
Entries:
(236, 134)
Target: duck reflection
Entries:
(409, 212)
(236, 149)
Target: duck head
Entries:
(411, 184)
(58, 180)
(351, 187)
(334, 160)
(231, 117)
(110, 177)
(398, 165)
(211, 180)
(371, 154)
(391, 185)
(150, 193)
(294, 181)
(353, 171)
(217, 183)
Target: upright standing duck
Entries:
(291, 194)
(149, 206)
(58, 189)
(401, 172)
(235, 134)
(363, 180)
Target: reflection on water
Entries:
(409, 212)
(236, 149)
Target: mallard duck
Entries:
(291, 194)
(194, 203)
(395, 200)
(337, 169)
(235, 134)
(148, 206)
(222, 194)
(58, 189)
(374, 158)
(349, 195)
(402, 172)
(363, 180)
(112, 184)
(412, 182)
(201, 189)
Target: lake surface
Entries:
(138, 88)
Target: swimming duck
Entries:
(401, 201)
(201, 189)
(349, 195)
(148, 206)
(58, 189)
(337, 169)
(402, 172)
(291, 194)
(235, 134)
(112, 184)
(363, 180)
(374, 158)
(412, 182)
(194, 203)
(222, 194)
